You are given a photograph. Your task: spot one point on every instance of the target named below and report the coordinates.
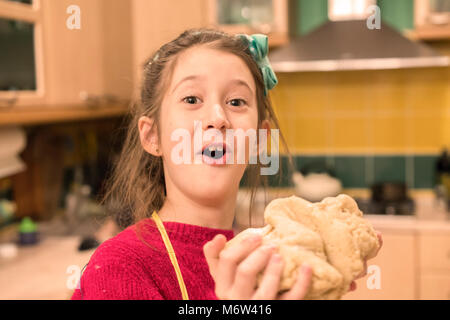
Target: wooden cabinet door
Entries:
(435, 286)
(150, 31)
(225, 16)
(95, 58)
(396, 263)
(434, 264)
(434, 250)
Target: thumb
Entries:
(212, 249)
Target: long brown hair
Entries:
(137, 186)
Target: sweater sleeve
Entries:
(115, 272)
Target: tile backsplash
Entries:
(362, 112)
(359, 171)
(378, 125)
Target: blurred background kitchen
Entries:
(363, 101)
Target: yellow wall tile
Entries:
(427, 133)
(350, 133)
(445, 125)
(381, 111)
(308, 134)
(389, 133)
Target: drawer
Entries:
(434, 251)
(435, 287)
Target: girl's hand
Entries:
(235, 271)
(364, 273)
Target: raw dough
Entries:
(331, 236)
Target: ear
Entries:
(148, 135)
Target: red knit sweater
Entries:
(124, 267)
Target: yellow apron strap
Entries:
(171, 252)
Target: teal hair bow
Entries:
(258, 45)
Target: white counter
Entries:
(43, 271)
(408, 223)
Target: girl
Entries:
(179, 215)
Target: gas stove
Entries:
(399, 207)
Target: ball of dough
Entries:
(330, 236)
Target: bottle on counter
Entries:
(443, 179)
(28, 234)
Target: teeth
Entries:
(216, 151)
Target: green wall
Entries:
(310, 14)
(397, 13)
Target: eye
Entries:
(191, 99)
(238, 102)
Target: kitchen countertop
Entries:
(41, 271)
(408, 223)
(425, 219)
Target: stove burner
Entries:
(403, 207)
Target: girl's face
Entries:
(217, 89)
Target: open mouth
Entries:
(214, 151)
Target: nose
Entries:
(216, 118)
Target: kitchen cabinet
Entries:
(414, 263)
(149, 34)
(397, 267)
(431, 20)
(150, 31)
(104, 55)
(73, 63)
(266, 16)
(435, 287)
(21, 27)
(434, 264)
(434, 251)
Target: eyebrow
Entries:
(238, 82)
(193, 77)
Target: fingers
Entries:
(211, 250)
(301, 286)
(268, 288)
(364, 272)
(229, 259)
(248, 269)
(353, 286)
(380, 240)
